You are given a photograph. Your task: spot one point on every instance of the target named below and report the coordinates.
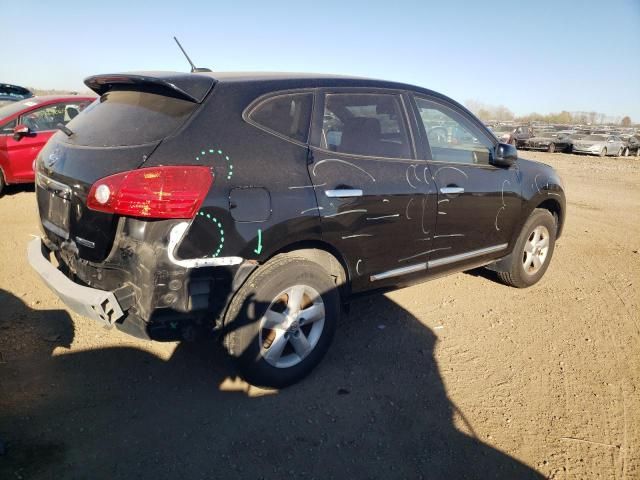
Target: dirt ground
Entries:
(457, 378)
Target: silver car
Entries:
(602, 145)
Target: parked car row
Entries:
(565, 139)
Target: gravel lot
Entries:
(460, 377)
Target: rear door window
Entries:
(126, 118)
(287, 114)
(367, 124)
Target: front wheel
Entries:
(619, 152)
(626, 152)
(533, 250)
(603, 152)
(552, 148)
(280, 323)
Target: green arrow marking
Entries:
(259, 248)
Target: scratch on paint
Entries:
(360, 210)
(451, 168)
(406, 174)
(358, 266)
(385, 200)
(442, 213)
(341, 161)
(451, 235)
(308, 186)
(406, 210)
(552, 193)
(358, 235)
(442, 201)
(422, 219)
(423, 253)
(384, 216)
(424, 174)
(423, 239)
(535, 180)
(497, 215)
(310, 209)
(504, 205)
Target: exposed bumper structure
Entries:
(99, 305)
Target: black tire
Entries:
(603, 152)
(2, 183)
(619, 152)
(552, 148)
(626, 152)
(265, 290)
(517, 276)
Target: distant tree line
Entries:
(501, 113)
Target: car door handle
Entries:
(451, 190)
(343, 193)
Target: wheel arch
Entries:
(323, 254)
(556, 210)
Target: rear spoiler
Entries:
(188, 86)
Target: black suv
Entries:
(257, 205)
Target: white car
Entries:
(601, 145)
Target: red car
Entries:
(26, 126)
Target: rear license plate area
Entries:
(55, 204)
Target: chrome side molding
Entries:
(466, 256)
(398, 271)
(437, 263)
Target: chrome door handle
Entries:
(343, 193)
(451, 190)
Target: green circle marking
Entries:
(220, 230)
(214, 151)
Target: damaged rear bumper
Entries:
(99, 305)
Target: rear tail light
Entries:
(156, 192)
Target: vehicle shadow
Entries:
(376, 407)
(17, 188)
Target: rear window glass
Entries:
(125, 118)
(287, 115)
(365, 124)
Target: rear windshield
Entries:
(124, 118)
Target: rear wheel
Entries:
(2, 183)
(552, 148)
(603, 152)
(626, 152)
(533, 250)
(620, 152)
(280, 323)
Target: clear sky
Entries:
(541, 56)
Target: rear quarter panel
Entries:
(256, 173)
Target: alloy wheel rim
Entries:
(536, 249)
(291, 327)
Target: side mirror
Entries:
(504, 155)
(20, 131)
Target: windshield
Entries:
(15, 107)
(126, 118)
(599, 138)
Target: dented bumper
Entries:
(99, 305)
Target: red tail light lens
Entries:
(156, 192)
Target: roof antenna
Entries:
(194, 69)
